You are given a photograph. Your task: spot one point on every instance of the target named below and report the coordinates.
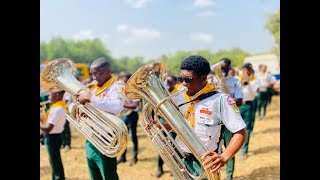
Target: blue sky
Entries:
(150, 28)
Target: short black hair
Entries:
(247, 65)
(101, 63)
(227, 61)
(196, 63)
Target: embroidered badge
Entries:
(236, 109)
(231, 100)
(205, 111)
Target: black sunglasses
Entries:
(185, 79)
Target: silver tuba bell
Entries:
(221, 79)
(148, 83)
(105, 131)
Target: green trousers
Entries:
(262, 103)
(131, 121)
(101, 167)
(246, 111)
(230, 163)
(66, 135)
(53, 143)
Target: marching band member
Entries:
(203, 116)
(52, 124)
(108, 95)
(130, 118)
(249, 89)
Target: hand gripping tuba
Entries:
(148, 83)
(105, 131)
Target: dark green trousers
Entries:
(101, 167)
(66, 134)
(131, 121)
(262, 103)
(53, 143)
(230, 164)
(246, 111)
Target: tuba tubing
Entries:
(107, 132)
(147, 82)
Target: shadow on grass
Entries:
(264, 173)
(266, 149)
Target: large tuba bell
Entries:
(148, 83)
(105, 131)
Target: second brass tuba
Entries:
(148, 83)
(107, 132)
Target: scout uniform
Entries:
(247, 109)
(204, 117)
(109, 98)
(56, 116)
(263, 81)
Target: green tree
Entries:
(273, 25)
(84, 51)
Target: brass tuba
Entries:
(105, 131)
(216, 68)
(148, 83)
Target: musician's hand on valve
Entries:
(84, 97)
(213, 161)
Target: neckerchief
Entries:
(190, 108)
(59, 103)
(101, 89)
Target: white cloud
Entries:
(203, 37)
(138, 34)
(138, 3)
(83, 34)
(145, 33)
(122, 28)
(203, 3)
(206, 13)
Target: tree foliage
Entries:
(84, 51)
(273, 25)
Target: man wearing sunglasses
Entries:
(206, 115)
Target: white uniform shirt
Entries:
(249, 91)
(234, 86)
(57, 117)
(111, 100)
(205, 125)
(263, 81)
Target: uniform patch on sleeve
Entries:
(231, 100)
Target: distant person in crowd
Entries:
(249, 89)
(52, 124)
(130, 117)
(265, 80)
(235, 91)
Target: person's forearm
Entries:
(235, 144)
